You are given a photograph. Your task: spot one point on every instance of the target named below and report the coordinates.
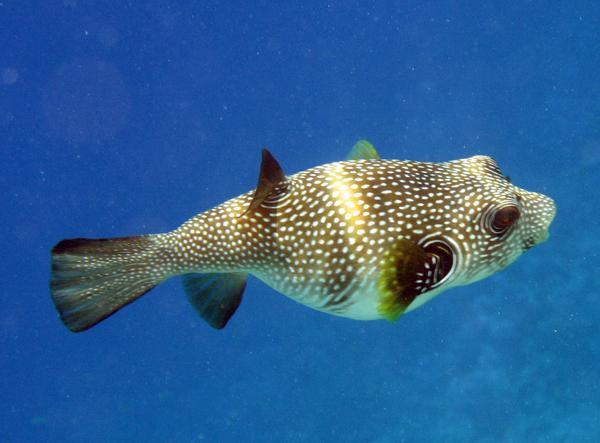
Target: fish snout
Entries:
(541, 211)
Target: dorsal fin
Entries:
(363, 150)
(270, 176)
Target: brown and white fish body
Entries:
(365, 239)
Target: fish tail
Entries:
(93, 278)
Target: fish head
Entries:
(494, 221)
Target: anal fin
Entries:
(215, 297)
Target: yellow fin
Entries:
(363, 150)
(409, 270)
(397, 278)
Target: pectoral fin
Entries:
(409, 270)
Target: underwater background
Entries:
(123, 118)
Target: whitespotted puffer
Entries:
(365, 239)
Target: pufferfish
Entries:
(365, 239)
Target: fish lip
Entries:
(546, 233)
(553, 214)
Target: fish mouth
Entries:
(549, 212)
(531, 242)
(546, 232)
(553, 211)
(543, 237)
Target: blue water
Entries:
(121, 118)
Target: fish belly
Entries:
(360, 302)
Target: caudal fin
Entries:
(92, 279)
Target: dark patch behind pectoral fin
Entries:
(271, 177)
(215, 297)
(409, 270)
(363, 150)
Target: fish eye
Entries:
(500, 219)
